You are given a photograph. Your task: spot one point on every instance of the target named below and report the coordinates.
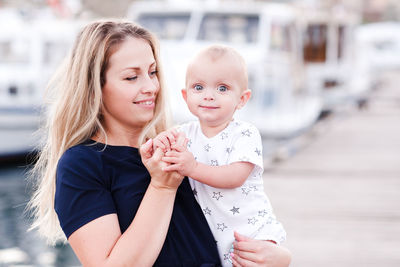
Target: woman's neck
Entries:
(118, 136)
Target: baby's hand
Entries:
(165, 140)
(180, 159)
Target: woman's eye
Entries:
(154, 72)
(222, 88)
(198, 87)
(131, 78)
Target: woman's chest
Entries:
(127, 189)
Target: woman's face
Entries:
(131, 86)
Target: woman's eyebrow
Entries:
(138, 68)
(131, 68)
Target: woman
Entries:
(114, 205)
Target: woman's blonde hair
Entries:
(74, 111)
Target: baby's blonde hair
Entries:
(74, 110)
(217, 52)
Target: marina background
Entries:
(327, 103)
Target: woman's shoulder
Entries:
(84, 161)
(81, 154)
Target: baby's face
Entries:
(214, 89)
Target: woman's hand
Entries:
(165, 140)
(251, 252)
(152, 161)
(179, 158)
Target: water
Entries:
(18, 246)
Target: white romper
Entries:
(245, 209)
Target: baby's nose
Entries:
(209, 94)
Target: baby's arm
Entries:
(225, 176)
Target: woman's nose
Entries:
(150, 85)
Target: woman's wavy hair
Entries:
(74, 108)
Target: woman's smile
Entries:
(146, 103)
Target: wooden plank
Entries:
(339, 197)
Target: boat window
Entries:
(341, 41)
(281, 38)
(233, 28)
(384, 45)
(315, 43)
(14, 51)
(166, 26)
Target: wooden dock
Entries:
(339, 195)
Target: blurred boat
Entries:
(29, 53)
(378, 47)
(331, 59)
(19, 96)
(56, 37)
(266, 34)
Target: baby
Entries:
(223, 158)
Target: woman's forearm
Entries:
(141, 243)
(100, 242)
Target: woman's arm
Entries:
(100, 242)
(251, 252)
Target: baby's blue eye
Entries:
(222, 88)
(198, 87)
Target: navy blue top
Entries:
(94, 180)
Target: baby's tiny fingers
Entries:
(172, 153)
(180, 140)
(170, 137)
(158, 143)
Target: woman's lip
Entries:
(145, 103)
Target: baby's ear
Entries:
(244, 97)
(184, 94)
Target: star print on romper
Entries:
(207, 211)
(214, 163)
(234, 210)
(245, 190)
(262, 213)
(221, 226)
(254, 187)
(229, 150)
(217, 195)
(226, 257)
(246, 133)
(207, 147)
(252, 221)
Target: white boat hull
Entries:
(17, 133)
